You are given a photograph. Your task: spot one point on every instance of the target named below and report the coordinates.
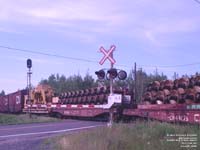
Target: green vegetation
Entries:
(24, 118)
(2, 93)
(61, 83)
(136, 136)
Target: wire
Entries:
(92, 61)
(54, 55)
(173, 66)
(47, 54)
(197, 1)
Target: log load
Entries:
(97, 95)
(197, 80)
(180, 91)
(182, 83)
(168, 84)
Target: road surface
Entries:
(32, 136)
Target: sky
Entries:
(156, 34)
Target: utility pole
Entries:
(135, 84)
(141, 78)
(156, 72)
(175, 75)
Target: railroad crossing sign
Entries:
(108, 54)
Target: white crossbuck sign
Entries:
(107, 55)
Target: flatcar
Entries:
(88, 103)
(170, 101)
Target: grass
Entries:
(136, 136)
(6, 119)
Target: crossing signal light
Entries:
(122, 75)
(112, 73)
(100, 74)
(29, 63)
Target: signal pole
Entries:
(108, 54)
(29, 65)
(111, 79)
(111, 93)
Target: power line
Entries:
(53, 55)
(197, 1)
(47, 54)
(92, 61)
(173, 66)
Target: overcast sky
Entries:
(160, 34)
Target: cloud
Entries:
(81, 10)
(81, 19)
(160, 32)
(151, 21)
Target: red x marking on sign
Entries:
(107, 55)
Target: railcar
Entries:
(174, 113)
(169, 101)
(88, 103)
(13, 102)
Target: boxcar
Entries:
(4, 103)
(13, 102)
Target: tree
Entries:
(62, 84)
(88, 81)
(2, 93)
(141, 83)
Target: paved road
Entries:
(31, 136)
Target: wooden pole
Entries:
(135, 83)
(141, 75)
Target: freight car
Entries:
(170, 101)
(75, 104)
(185, 113)
(13, 102)
(88, 103)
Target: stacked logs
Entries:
(97, 95)
(183, 90)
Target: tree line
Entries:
(61, 83)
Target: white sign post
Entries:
(108, 54)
